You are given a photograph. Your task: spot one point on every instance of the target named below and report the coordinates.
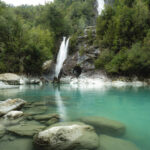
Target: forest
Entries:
(123, 33)
(30, 35)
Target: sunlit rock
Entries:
(46, 66)
(10, 78)
(111, 143)
(10, 104)
(13, 115)
(105, 126)
(67, 136)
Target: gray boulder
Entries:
(111, 143)
(10, 104)
(105, 126)
(67, 136)
(10, 78)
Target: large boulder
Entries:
(10, 104)
(105, 126)
(26, 129)
(111, 143)
(10, 78)
(67, 136)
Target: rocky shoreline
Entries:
(47, 132)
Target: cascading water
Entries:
(100, 7)
(62, 55)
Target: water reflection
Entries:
(60, 105)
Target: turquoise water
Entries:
(130, 106)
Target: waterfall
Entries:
(60, 105)
(62, 55)
(100, 7)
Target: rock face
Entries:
(105, 126)
(13, 114)
(27, 129)
(85, 55)
(111, 143)
(10, 78)
(67, 136)
(10, 104)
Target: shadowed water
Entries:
(130, 106)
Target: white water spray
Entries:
(101, 4)
(60, 105)
(62, 55)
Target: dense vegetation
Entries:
(30, 35)
(123, 33)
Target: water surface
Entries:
(129, 105)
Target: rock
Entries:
(46, 117)
(85, 54)
(10, 78)
(105, 126)
(2, 131)
(67, 136)
(52, 121)
(27, 129)
(4, 85)
(11, 122)
(35, 110)
(13, 114)
(111, 143)
(33, 81)
(10, 104)
(46, 66)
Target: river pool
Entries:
(128, 105)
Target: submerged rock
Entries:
(26, 129)
(111, 143)
(13, 114)
(35, 110)
(17, 144)
(67, 136)
(10, 104)
(105, 126)
(2, 131)
(52, 121)
(46, 117)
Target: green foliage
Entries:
(122, 30)
(82, 51)
(22, 49)
(29, 35)
(104, 58)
